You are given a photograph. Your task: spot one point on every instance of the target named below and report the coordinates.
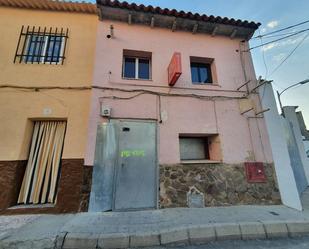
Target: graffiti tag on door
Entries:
(132, 153)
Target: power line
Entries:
(263, 55)
(285, 37)
(278, 35)
(276, 31)
(290, 54)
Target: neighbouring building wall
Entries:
(78, 68)
(302, 125)
(282, 161)
(304, 131)
(19, 108)
(290, 116)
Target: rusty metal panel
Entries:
(136, 173)
(101, 196)
(255, 172)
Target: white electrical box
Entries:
(106, 111)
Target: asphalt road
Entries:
(297, 243)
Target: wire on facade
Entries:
(139, 91)
(142, 91)
(36, 88)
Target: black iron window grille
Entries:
(41, 45)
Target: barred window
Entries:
(41, 45)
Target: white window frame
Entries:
(60, 53)
(28, 43)
(136, 67)
(46, 41)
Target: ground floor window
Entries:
(39, 185)
(193, 148)
(199, 147)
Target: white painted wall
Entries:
(285, 176)
(290, 115)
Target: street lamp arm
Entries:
(299, 83)
(279, 94)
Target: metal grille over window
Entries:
(41, 45)
(40, 181)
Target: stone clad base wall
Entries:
(73, 190)
(221, 185)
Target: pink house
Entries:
(175, 120)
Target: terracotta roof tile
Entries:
(55, 5)
(180, 14)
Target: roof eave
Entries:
(153, 19)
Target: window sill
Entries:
(204, 84)
(199, 162)
(37, 206)
(42, 63)
(149, 80)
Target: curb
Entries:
(180, 236)
(189, 235)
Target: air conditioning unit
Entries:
(106, 111)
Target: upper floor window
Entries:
(201, 70)
(136, 65)
(38, 45)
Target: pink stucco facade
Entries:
(242, 137)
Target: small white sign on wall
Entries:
(47, 111)
(164, 116)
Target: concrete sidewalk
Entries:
(151, 228)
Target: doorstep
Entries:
(24, 206)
